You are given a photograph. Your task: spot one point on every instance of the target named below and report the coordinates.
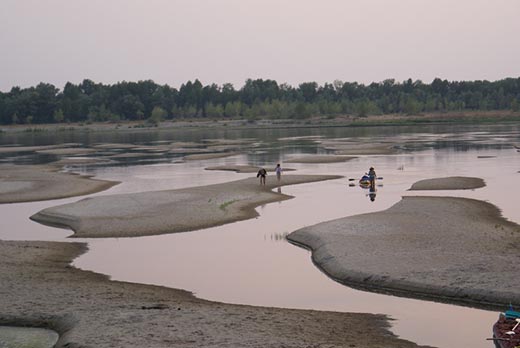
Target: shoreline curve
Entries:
(447, 249)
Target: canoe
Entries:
(364, 181)
(506, 331)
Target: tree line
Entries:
(145, 100)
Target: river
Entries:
(250, 262)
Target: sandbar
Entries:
(14, 149)
(443, 248)
(67, 151)
(320, 159)
(39, 288)
(206, 156)
(161, 212)
(358, 148)
(244, 168)
(28, 183)
(448, 183)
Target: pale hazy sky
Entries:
(293, 41)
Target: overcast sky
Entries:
(293, 41)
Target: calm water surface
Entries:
(250, 262)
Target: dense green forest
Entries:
(146, 100)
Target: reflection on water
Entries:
(372, 192)
(250, 262)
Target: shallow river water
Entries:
(250, 262)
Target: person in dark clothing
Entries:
(372, 176)
(261, 174)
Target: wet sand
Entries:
(37, 183)
(449, 249)
(40, 289)
(161, 212)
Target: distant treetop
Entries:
(146, 100)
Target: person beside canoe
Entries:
(372, 176)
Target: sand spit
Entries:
(68, 151)
(112, 146)
(40, 289)
(320, 159)
(160, 212)
(244, 168)
(78, 161)
(38, 183)
(449, 249)
(357, 149)
(236, 168)
(135, 155)
(206, 156)
(14, 149)
(449, 183)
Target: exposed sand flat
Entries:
(449, 183)
(245, 168)
(366, 150)
(80, 161)
(205, 156)
(13, 149)
(224, 148)
(190, 150)
(236, 168)
(134, 155)
(357, 148)
(304, 137)
(39, 183)
(109, 146)
(450, 249)
(39, 288)
(184, 144)
(67, 151)
(320, 159)
(160, 212)
(230, 141)
(157, 148)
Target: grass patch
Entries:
(224, 205)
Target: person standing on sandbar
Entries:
(278, 170)
(261, 174)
